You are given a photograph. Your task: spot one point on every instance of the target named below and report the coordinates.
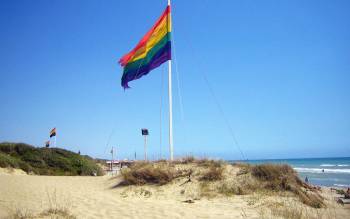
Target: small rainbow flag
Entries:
(53, 132)
(153, 50)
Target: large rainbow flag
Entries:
(153, 50)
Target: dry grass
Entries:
(20, 214)
(162, 172)
(215, 178)
(57, 213)
(199, 162)
(292, 209)
(150, 173)
(276, 177)
(213, 174)
(49, 213)
(282, 178)
(312, 199)
(209, 163)
(207, 190)
(229, 190)
(187, 160)
(57, 209)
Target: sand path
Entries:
(94, 197)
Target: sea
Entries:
(331, 172)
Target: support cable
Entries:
(217, 102)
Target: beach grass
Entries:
(212, 174)
(56, 209)
(214, 179)
(146, 173)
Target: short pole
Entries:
(145, 147)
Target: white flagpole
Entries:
(171, 146)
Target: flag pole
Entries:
(145, 147)
(171, 147)
(112, 159)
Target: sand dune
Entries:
(95, 197)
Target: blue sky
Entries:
(279, 69)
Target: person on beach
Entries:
(347, 194)
(306, 179)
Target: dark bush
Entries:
(145, 173)
(284, 178)
(213, 174)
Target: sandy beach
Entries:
(93, 197)
(97, 197)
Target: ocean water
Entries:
(320, 171)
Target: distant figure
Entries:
(347, 194)
(79, 152)
(322, 170)
(306, 179)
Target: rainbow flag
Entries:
(53, 132)
(153, 50)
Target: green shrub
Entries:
(46, 161)
(25, 167)
(7, 161)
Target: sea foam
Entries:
(327, 165)
(319, 170)
(334, 165)
(342, 185)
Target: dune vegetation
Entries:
(217, 178)
(46, 161)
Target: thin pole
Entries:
(112, 156)
(112, 161)
(171, 147)
(145, 147)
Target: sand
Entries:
(96, 197)
(11, 171)
(92, 197)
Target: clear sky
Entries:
(279, 69)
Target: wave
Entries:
(319, 170)
(341, 185)
(334, 165)
(328, 165)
